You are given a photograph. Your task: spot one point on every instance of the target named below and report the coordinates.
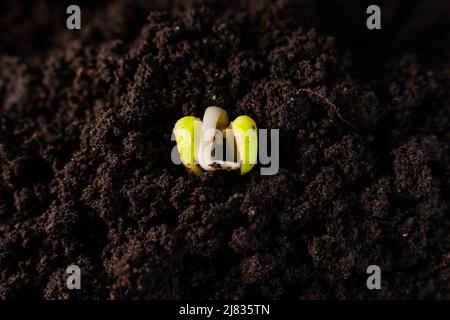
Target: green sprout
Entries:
(246, 136)
(187, 136)
(195, 145)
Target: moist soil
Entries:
(85, 143)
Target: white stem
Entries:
(215, 118)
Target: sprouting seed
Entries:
(196, 140)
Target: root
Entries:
(335, 110)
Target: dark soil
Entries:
(86, 176)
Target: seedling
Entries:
(196, 145)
